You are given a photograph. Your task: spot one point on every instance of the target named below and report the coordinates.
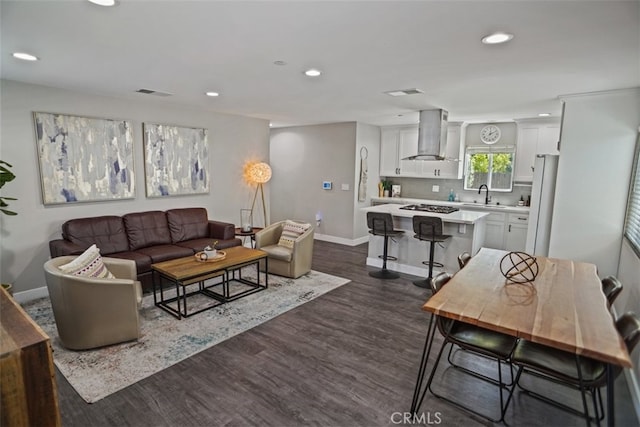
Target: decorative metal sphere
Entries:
(519, 267)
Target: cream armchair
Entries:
(93, 312)
(284, 261)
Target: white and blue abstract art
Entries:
(176, 160)
(84, 159)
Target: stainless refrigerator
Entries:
(542, 195)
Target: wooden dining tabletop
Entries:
(564, 307)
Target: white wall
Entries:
(599, 132)
(24, 247)
(367, 140)
(302, 157)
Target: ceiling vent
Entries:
(403, 92)
(153, 92)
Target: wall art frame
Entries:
(84, 159)
(176, 160)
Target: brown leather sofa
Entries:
(145, 237)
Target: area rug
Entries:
(166, 340)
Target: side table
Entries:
(251, 234)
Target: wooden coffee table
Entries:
(183, 272)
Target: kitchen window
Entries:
(632, 222)
(493, 167)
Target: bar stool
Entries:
(429, 228)
(381, 224)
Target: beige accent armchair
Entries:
(284, 261)
(92, 312)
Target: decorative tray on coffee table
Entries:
(219, 256)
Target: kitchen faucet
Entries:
(487, 199)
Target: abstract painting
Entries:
(84, 159)
(176, 160)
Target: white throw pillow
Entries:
(88, 264)
(290, 232)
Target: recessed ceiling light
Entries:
(544, 114)
(104, 2)
(497, 38)
(212, 94)
(312, 72)
(403, 92)
(25, 56)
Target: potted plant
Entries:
(386, 185)
(6, 176)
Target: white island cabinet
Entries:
(466, 228)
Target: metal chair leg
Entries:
(599, 416)
(384, 273)
(476, 374)
(429, 387)
(426, 283)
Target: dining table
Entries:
(555, 302)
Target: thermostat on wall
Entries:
(326, 185)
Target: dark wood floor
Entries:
(348, 358)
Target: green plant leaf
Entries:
(6, 176)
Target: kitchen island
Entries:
(466, 228)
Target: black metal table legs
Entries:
(418, 393)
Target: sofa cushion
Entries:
(143, 262)
(188, 224)
(107, 232)
(291, 231)
(161, 253)
(146, 229)
(88, 264)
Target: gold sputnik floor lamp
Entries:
(259, 174)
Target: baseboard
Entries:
(30, 295)
(341, 240)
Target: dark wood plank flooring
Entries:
(348, 358)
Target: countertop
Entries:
(458, 217)
(460, 205)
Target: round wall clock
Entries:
(490, 134)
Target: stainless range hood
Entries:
(432, 135)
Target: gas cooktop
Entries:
(430, 208)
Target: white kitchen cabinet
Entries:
(534, 137)
(516, 232)
(494, 230)
(389, 165)
(549, 139)
(399, 142)
(408, 146)
(450, 168)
